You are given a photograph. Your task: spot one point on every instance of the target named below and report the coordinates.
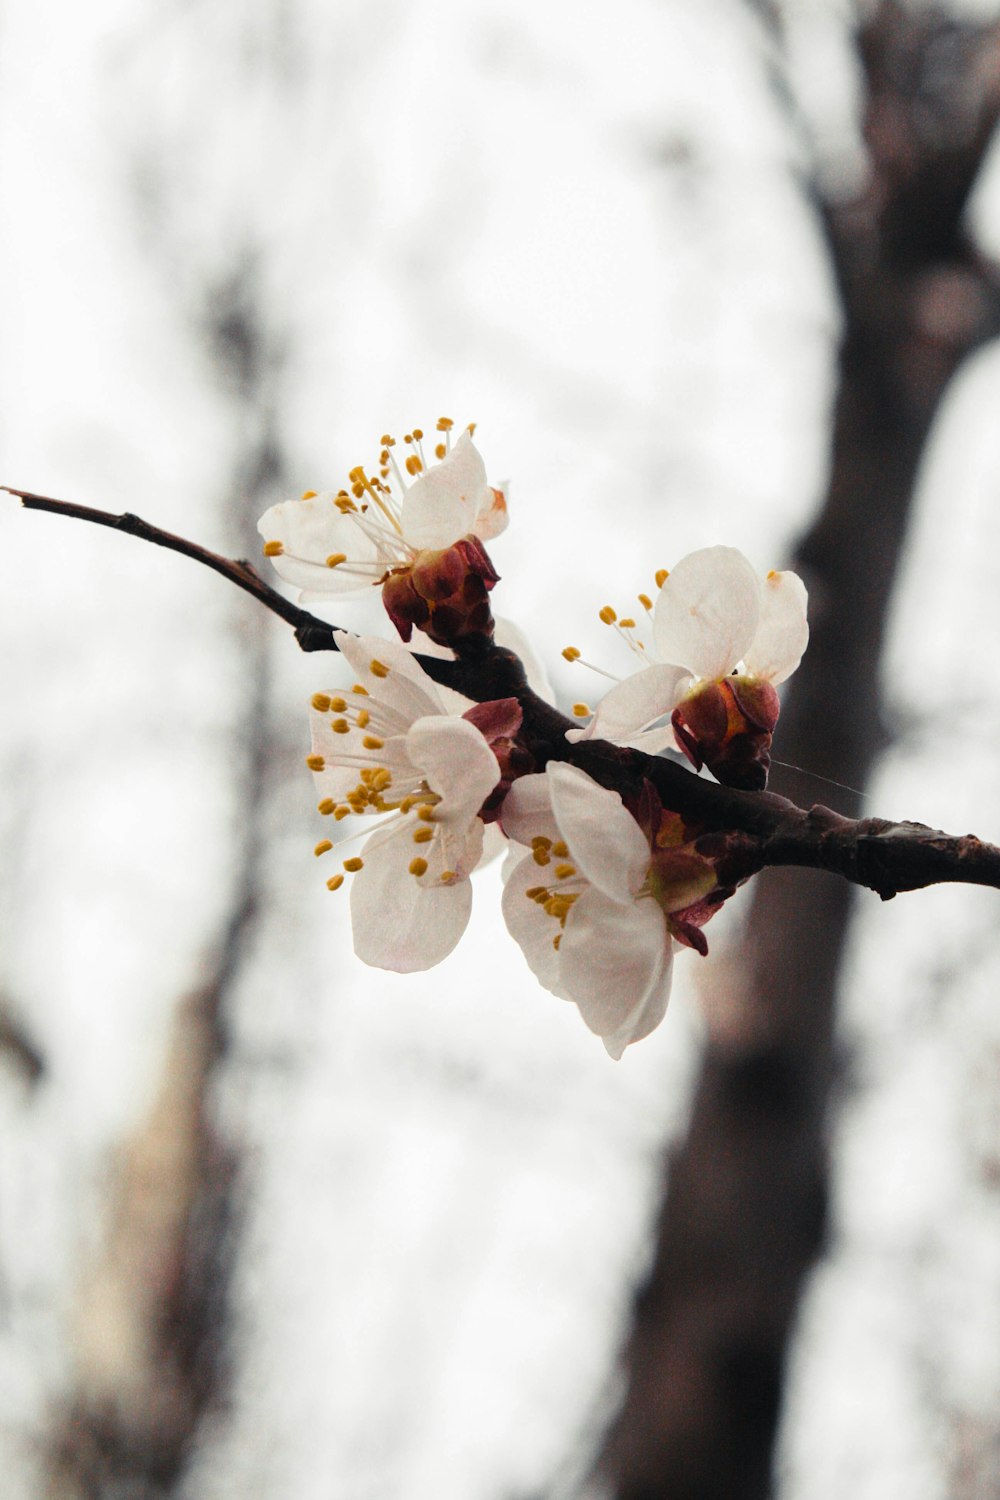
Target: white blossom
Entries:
(713, 616)
(389, 747)
(579, 902)
(339, 543)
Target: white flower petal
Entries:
(648, 1013)
(310, 531)
(527, 810)
(605, 842)
(457, 763)
(532, 928)
(631, 706)
(401, 922)
(442, 504)
(492, 516)
(513, 637)
(706, 615)
(611, 958)
(403, 685)
(782, 634)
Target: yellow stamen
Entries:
(357, 688)
(320, 702)
(418, 867)
(581, 711)
(322, 846)
(541, 856)
(309, 494)
(448, 877)
(645, 601)
(315, 762)
(571, 653)
(342, 812)
(559, 849)
(534, 891)
(372, 742)
(335, 559)
(425, 813)
(627, 624)
(354, 864)
(273, 549)
(413, 465)
(338, 705)
(340, 726)
(363, 718)
(608, 615)
(563, 872)
(422, 835)
(541, 842)
(440, 450)
(378, 668)
(444, 424)
(661, 576)
(326, 806)
(335, 882)
(556, 941)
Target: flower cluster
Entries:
(601, 889)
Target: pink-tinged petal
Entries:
(506, 633)
(647, 1015)
(492, 516)
(457, 764)
(387, 669)
(707, 612)
(527, 811)
(402, 922)
(310, 533)
(782, 634)
(631, 706)
(442, 504)
(530, 926)
(610, 959)
(605, 842)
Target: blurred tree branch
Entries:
(746, 1206)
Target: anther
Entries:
(340, 726)
(335, 559)
(326, 806)
(571, 653)
(335, 882)
(273, 549)
(315, 762)
(336, 704)
(540, 856)
(320, 702)
(378, 668)
(608, 615)
(418, 867)
(661, 577)
(563, 872)
(559, 849)
(423, 835)
(364, 717)
(309, 494)
(357, 688)
(425, 813)
(444, 424)
(372, 742)
(645, 601)
(354, 864)
(627, 624)
(581, 711)
(322, 847)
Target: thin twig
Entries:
(762, 829)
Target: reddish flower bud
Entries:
(499, 722)
(444, 593)
(727, 726)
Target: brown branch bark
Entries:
(745, 1212)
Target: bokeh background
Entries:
(274, 1225)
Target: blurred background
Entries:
(275, 1225)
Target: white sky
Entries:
(587, 236)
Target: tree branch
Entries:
(764, 829)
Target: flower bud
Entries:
(727, 726)
(444, 593)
